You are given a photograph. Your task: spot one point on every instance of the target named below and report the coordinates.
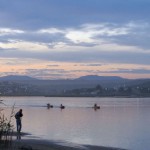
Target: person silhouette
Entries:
(18, 117)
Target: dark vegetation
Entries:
(6, 128)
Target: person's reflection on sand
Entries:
(18, 137)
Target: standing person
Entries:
(18, 117)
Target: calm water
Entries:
(121, 122)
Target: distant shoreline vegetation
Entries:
(99, 96)
(76, 96)
(88, 86)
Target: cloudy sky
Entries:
(53, 39)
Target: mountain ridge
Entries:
(96, 77)
(16, 78)
(82, 78)
(27, 86)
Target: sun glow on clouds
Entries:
(50, 31)
(99, 36)
(79, 37)
(88, 32)
(58, 70)
(24, 45)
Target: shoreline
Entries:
(119, 96)
(23, 142)
(40, 144)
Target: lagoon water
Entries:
(121, 122)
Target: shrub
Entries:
(6, 127)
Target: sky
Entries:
(66, 39)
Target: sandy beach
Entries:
(31, 144)
(21, 142)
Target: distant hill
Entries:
(16, 78)
(28, 86)
(95, 77)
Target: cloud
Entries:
(8, 31)
(139, 33)
(48, 73)
(51, 31)
(92, 32)
(14, 62)
(105, 35)
(10, 73)
(100, 37)
(36, 14)
(116, 54)
(23, 45)
(130, 71)
(49, 70)
(89, 65)
(53, 65)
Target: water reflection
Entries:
(18, 137)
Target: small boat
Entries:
(62, 107)
(96, 106)
(49, 106)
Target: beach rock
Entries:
(25, 147)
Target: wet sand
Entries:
(37, 144)
(22, 142)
